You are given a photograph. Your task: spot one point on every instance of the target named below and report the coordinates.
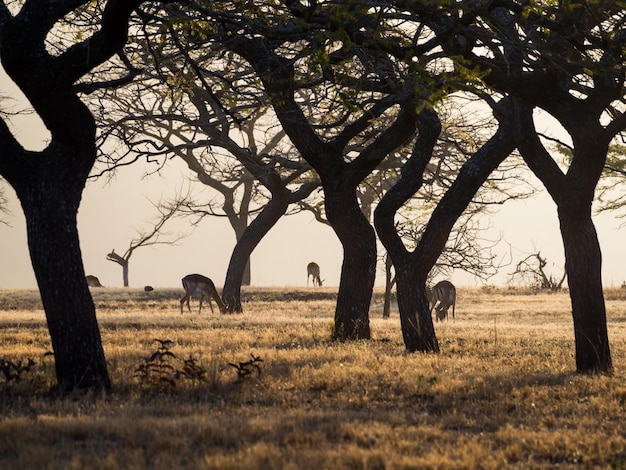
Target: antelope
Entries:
(313, 270)
(444, 297)
(93, 281)
(199, 284)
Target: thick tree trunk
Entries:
(49, 183)
(418, 331)
(583, 263)
(573, 193)
(358, 270)
(246, 244)
(417, 334)
(70, 311)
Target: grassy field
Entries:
(501, 394)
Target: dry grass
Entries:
(502, 393)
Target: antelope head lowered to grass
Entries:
(199, 284)
(444, 297)
(313, 270)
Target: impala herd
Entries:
(444, 292)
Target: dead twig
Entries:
(245, 369)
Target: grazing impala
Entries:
(444, 297)
(313, 269)
(199, 284)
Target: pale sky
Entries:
(111, 214)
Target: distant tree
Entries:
(47, 62)
(532, 271)
(183, 106)
(150, 238)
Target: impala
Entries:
(93, 281)
(313, 270)
(444, 297)
(199, 284)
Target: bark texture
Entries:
(49, 183)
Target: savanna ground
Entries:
(501, 394)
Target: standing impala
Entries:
(199, 284)
(444, 297)
(313, 270)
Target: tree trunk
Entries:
(583, 263)
(70, 311)
(418, 331)
(358, 270)
(411, 275)
(389, 282)
(418, 336)
(123, 262)
(573, 193)
(246, 275)
(49, 184)
(246, 244)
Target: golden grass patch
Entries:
(502, 392)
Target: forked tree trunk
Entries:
(412, 268)
(417, 328)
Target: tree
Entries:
(332, 97)
(151, 238)
(347, 93)
(183, 106)
(532, 269)
(47, 65)
(412, 267)
(466, 249)
(568, 60)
